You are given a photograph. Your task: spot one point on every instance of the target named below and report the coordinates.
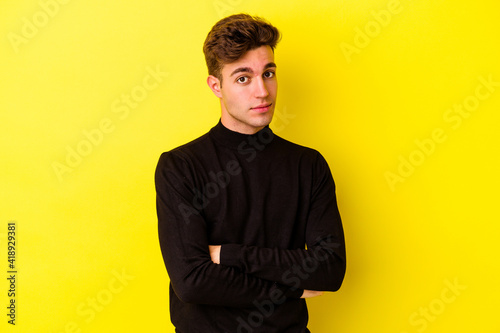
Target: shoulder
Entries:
(182, 159)
(301, 151)
(187, 150)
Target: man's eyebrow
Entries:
(249, 70)
(270, 65)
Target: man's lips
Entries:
(262, 107)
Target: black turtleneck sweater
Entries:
(271, 205)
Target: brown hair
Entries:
(233, 36)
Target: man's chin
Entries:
(263, 119)
(262, 122)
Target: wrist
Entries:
(232, 255)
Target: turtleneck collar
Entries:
(236, 140)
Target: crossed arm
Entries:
(235, 274)
(215, 257)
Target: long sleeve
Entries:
(319, 267)
(184, 245)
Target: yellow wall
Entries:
(394, 93)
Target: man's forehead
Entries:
(254, 60)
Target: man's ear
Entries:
(215, 85)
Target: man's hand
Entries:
(311, 293)
(214, 253)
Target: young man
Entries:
(238, 206)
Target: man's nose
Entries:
(261, 89)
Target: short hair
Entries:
(235, 35)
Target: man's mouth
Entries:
(262, 107)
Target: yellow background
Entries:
(406, 241)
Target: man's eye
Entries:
(269, 74)
(243, 79)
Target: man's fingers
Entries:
(311, 293)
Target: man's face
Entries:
(248, 93)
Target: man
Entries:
(238, 206)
